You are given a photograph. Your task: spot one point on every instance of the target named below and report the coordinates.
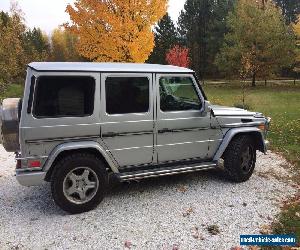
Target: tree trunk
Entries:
(253, 80)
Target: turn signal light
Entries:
(262, 127)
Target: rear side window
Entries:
(126, 95)
(64, 96)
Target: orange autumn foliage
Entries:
(115, 30)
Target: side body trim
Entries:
(231, 133)
(79, 145)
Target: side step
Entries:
(161, 171)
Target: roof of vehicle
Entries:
(107, 67)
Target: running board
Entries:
(142, 174)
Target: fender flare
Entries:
(234, 131)
(79, 145)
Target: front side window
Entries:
(126, 95)
(178, 94)
(64, 96)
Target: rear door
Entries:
(183, 129)
(127, 117)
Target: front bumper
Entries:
(30, 178)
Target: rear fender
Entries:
(77, 146)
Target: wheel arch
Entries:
(65, 149)
(254, 132)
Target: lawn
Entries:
(281, 103)
(13, 90)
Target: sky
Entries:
(49, 14)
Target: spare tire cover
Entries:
(9, 123)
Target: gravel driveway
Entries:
(192, 211)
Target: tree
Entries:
(296, 28)
(178, 56)
(165, 38)
(36, 45)
(63, 47)
(115, 30)
(12, 55)
(259, 43)
(202, 27)
(290, 9)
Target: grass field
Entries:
(13, 90)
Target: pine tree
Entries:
(36, 45)
(165, 37)
(290, 9)
(202, 27)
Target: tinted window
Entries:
(178, 94)
(127, 95)
(63, 96)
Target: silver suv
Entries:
(79, 123)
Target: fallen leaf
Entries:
(236, 248)
(213, 229)
(254, 248)
(265, 229)
(127, 244)
(175, 247)
(182, 188)
(196, 234)
(188, 212)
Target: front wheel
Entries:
(79, 182)
(240, 158)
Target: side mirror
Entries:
(207, 107)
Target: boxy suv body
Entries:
(78, 123)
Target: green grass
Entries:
(282, 103)
(13, 90)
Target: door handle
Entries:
(164, 130)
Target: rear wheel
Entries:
(240, 158)
(79, 182)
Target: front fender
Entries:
(261, 143)
(79, 145)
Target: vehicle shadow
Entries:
(40, 199)
(117, 188)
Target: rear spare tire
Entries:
(9, 124)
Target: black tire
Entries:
(74, 162)
(235, 165)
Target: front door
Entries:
(127, 117)
(183, 128)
